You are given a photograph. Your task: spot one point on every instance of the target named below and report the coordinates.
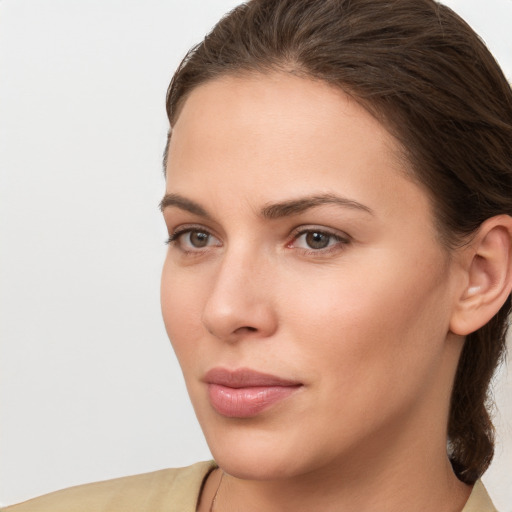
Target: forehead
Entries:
(279, 96)
(272, 137)
(275, 113)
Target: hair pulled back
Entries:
(423, 72)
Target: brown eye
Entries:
(198, 239)
(317, 240)
(314, 240)
(193, 239)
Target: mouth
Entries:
(245, 393)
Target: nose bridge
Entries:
(239, 302)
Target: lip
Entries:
(245, 393)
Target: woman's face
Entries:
(304, 290)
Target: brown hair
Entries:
(423, 72)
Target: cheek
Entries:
(375, 324)
(182, 299)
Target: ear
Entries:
(487, 266)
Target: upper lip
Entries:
(245, 378)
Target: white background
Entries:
(90, 388)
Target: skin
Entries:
(363, 323)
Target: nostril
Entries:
(247, 328)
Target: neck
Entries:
(431, 487)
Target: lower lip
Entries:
(246, 402)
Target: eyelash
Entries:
(174, 238)
(340, 241)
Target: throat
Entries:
(224, 493)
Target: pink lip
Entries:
(244, 393)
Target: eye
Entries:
(193, 239)
(317, 240)
(197, 239)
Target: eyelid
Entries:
(183, 229)
(177, 232)
(342, 239)
(336, 233)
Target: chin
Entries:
(255, 451)
(253, 465)
(249, 451)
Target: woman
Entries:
(337, 285)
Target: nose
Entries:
(240, 302)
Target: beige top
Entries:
(168, 490)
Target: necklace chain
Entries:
(212, 505)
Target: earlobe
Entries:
(488, 280)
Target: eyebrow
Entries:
(296, 206)
(184, 204)
(271, 211)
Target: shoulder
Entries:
(167, 489)
(479, 500)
